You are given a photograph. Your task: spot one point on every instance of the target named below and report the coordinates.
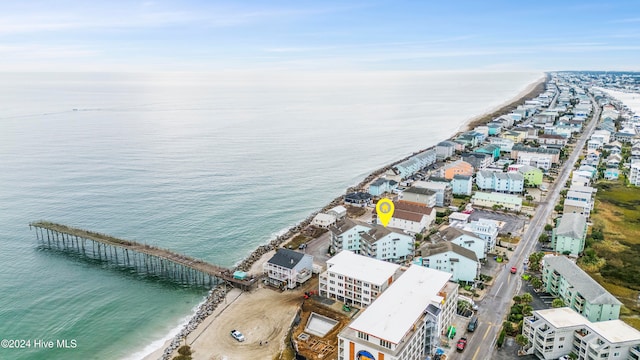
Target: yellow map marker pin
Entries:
(385, 209)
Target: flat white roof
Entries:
(325, 217)
(394, 312)
(562, 317)
(360, 267)
(615, 331)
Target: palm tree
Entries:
(536, 282)
(526, 298)
(522, 341)
(557, 303)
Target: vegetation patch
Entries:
(612, 256)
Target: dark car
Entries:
(473, 324)
(462, 343)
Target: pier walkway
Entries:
(144, 258)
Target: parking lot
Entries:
(512, 223)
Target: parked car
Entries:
(462, 343)
(237, 335)
(473, 324)
(514, 270)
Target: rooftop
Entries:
(412, 207)
(395, 311)
(408, 215)
(286, 258)
(573, 225)
(581, 281)
(362, 267)
(421, 191)
(614, 331)
(428, 249)
(562, 317)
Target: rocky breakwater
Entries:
(215, 297)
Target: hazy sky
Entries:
(203, 35)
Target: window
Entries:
(561, 339)
(363, 336)
(385, 343)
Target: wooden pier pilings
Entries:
(143, 258)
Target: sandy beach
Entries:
(529, 92)
(264, 314)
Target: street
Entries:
(495, 306)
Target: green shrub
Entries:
(500, 340)
(184, 350)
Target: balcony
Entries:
(580, 334)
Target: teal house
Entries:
(491, 149)
(570, 234)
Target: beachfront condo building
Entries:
(563, 278)
(553, 333)
(374, 241)
(570, 234)
(406, 321)
(445, 149)
(288, 268)
(355, 279)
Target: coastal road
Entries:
(495, 306)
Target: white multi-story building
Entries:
(406, 321)
(419, 195)
(288, 268)
(486, 230)
(541, 161)
(371, 240)
(553, 333)
(356, 279)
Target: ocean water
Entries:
(210, 165)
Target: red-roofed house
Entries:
(411, 217)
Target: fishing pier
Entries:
(145, 259)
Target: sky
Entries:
(158, 35)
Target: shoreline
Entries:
(206, 311)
